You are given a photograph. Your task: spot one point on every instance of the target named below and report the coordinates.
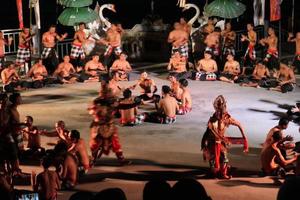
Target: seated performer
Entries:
(128, 109)
(10, 79)
(79, 149)
(176, 91)
(186, 98)
(286, 79)
(259, 76)
(148, 89)
(271, 58)
(103, 131)
(92, 70)
(114, 87)
(60, 131)
(231, 70)
(121, 67)
(250, 54)
(167, 108)
(65, 71)
(177, 65)
(296, 39)
(207, 68)
(38, 73)
(272, 159)
(215, 143)
(179, 39)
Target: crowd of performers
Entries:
(70, 155)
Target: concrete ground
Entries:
(169, 151)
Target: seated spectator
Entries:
(166, 108)
(128, 109)
(272, 159)
(110, 194)
(122, 68)
(231, 70)
(92, 70)
(190, 188)
(289, 189)
(148, 89)
(79, 150)
(177, 66)
(207, 68)
(186, 98)
(47, 182)
(38, 73)
(157, 189)
(65, 71)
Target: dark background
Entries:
(131, 12)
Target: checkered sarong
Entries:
(109, 49)
(183, 50)
(206, 76)
(23, 55)
(215, 51)
(169, 120)
(76, 52)
(47, 51)
(228, 50)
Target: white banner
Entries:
(35, 4)
(259, 12)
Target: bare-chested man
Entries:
(49, 43)
(23, 54)
(65, 71)
(92, 70)
(271, 58)
(60, 131)
(32, 135)
(177, 63)
(286, 78)
(112, 41)
(296, 39)
(10, 78)
(176, 91)
(114, 87)
(250, 54)
(3, 43)
(38, 73)
(271, 157)
(121, 67)
(128, 109)
(259, 76)
(186, 98)
(185, 26)
(207, 68)
(79, 149)
(148, 88)
(228, 36)
(231, 70)
(77, 53)
(179, 39)
(209, 27)
(212, 42)
(47, 182)
(167, 108)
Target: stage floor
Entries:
(170, 151)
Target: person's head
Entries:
(276, 136)
(218, 30)
(156, 189)
(177, 25)
(230, 57)
(9, 65)
(176, 54)
(260, 64)
(249, 27)
(289, 189)
(46, 162)
(66, 59)
(81, 26)
(207, 55)
(165, 89)
(271, 31)
(283, 123)
(210, 21)
(60, 124)
(28, 120)
(183, 83)
(52, 29)
(15, 98)
(114, 76)
(127, 93)
(298, 35)
(111, 193)
(228, 26)
(1, 34)
(74, 135)
(123, 56)
(182, 20)
(95, 58)
(114, 27)
(25, 30)
(191, 188)
(144, 75)
(172, 77)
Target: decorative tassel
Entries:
(181, 3)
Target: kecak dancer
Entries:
(250, 54)
(49, 54)
(228, 36)
(179, 39)
(296, 39)
(215, 143)
(271, 57)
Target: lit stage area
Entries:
(169, 151)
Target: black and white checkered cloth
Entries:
(229, 50)
(183, 50)
(109, 49)
(76, 52)
(23, 55)
(46, 52)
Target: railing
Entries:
(64, 47)
(13, 48)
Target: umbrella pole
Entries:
(279, 39)
(293, 15)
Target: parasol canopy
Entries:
(75, 3)
(73, 16)
(227, 9)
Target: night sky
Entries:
(129, 12)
